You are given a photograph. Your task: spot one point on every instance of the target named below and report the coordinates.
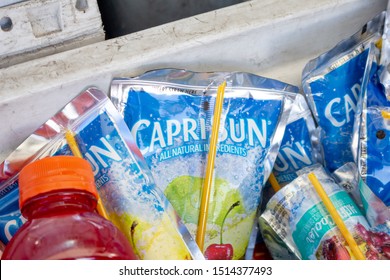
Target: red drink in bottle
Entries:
(58, 198)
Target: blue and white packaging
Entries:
(300, 146)
(10, 217)
(332, 84)
(347, 177)
(124, 182)
(169, 112)
(297, 216)
(372, 135)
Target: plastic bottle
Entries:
(58, 198)
(1, 249)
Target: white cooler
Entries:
(30, 29)
(272, 38)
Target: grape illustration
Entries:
(333, 249)
(377, 243)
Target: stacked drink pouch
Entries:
(346, 177)
(372, 134)
(169, 113)
(162, 164)
(354, 122)
(299, 147)
(123, 180)
(332, 85)
(299, 218)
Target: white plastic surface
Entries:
(4, 3)
(37, 28)
(272, 38)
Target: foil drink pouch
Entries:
(385, 56)
(124, 182)
(257, 249)
(299, 218)
(10, 217)
(169, 112)
(278, 247)
(300, 146)
(332, 84)
(347, 177)
(372, 136)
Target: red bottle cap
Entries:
(55, 173)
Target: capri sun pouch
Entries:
(300, 146)
(124, 182)
(297, 216)
(169, 112)
(372, 134)
(332, 84)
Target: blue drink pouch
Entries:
(300, 146)
(169, 113)
(372, 135)
(332, 84)
(10, 217)
(347, 177)
(298, 217)
(123, 180)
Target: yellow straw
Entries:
(274, 183)
(72, 144)
(204, 203)
(385, 114)
(336, 217)
(378, 44)
(76, 152)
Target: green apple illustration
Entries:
(184, 193)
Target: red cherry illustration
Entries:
(221, 251)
